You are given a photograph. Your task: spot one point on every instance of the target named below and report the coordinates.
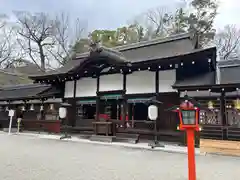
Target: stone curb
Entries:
(167, 148)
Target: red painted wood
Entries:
(191, 154)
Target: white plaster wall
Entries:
(86, 87)
(166, 80)
(199, 93)
(69, 89)
(111, 82)
(140, 82)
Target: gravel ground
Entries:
(29, 158)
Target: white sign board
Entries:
(153, 112)
(62, 112)
(11, 113)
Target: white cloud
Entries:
(112, 13)
(228, 13)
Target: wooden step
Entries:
(220, 147)
(102, 138)
(125, 137)
(84, 134)
(13, 130)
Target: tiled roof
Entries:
(230, 75)
(147, 50)
(23, 91)
(199, 80)
(228, 63)
(8, 78)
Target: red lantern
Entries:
(189, 116)
(189, 121)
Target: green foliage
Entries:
(202, 18)
(179, 24)
(197, 18)
(111, 38)
(80, 46)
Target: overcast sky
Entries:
(102, 14)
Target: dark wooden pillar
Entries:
(157, 81)
(42, 112)
(124, 101)
(223, 114)
(97, 100)
(73, 121)
(156, 123)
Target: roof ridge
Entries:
(158, 40)
(12, 73)
(22, 86)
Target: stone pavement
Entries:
(34, 158)
(167, 148)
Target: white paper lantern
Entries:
(51, 106)
(32, 107)
(23, 108)
(11, 113)
(62, 112)
(153, 112)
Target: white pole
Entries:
(18, 125)
(10, 114)
(10, 125)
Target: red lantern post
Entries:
(189, 117)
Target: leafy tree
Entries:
(197, 16)
(135, 33)
(107, 38)
(201, 19)
(179, 22)
(80, 46)
(126, 34)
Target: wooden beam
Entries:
(223, 113)
(124, 100)
(157, 81)
(98, 99)
(73, 122)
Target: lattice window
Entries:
(232, 114)
(210, 116)
(79, 111)
(108, 110)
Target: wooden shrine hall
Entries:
(36, 104)
(109, 89)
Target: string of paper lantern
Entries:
(122, 70)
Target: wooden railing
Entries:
(84, 122)
(52, 126)
(212, 132)
(4, 120)
(220, 132)
(233, 133)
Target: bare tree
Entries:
(159, 18)
(161, 22)
(6, 42)
(227, 42)
(35, 31)
(66, 35)
(47, 40)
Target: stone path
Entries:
(31, 158)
